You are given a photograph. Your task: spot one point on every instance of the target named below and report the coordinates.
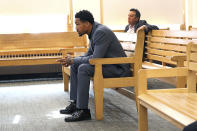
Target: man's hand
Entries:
(67, 61)
(142, 28)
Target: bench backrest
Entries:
(38, 45)
(162, 45)
(41, 40)
(192, 66)
(192, 28)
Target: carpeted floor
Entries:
(34, 106)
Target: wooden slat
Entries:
(67, 37)
(171, 33)
(193, 57)
(117, 60)
(160, 58)
(118, 30)
(42, 40)
(171, 72)
(163, 52)
(150, 65)
(119, 82)
(194, 47)
(28, 61)
(177, 90)
(169, 40)
(193, 29)
(167, 46)
(126, 93)
(29, 51)
(192, 66)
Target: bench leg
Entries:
(181, 82)
(66, 83)
(142, 118)
(65, 79)
(98, 98)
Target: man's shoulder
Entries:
(127, 26)
(142, 22)
(102, 29)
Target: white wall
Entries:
(192, 13)
(91, 5)
(50, 15)
(32, 7)
(21, 16)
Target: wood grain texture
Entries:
(179, 105)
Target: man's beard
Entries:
(80, 34)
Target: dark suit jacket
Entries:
(104, 44)
(141, 23)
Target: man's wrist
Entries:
(145, 27)
(70, 61)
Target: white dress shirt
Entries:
(131, 29)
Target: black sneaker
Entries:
(69, 109)
(79, 115)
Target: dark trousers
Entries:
(191, 127)
(80, 81)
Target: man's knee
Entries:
(74, 67)
(86, 69)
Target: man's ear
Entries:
(137, 18)
(87, 23)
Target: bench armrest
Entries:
(180, 60)
(117, 60)
(144, 74)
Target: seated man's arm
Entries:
(147, 27)
(101, 44)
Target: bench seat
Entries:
(179, 108)
(178, 105)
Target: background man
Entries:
(136, 24)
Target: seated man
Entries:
(135, 23)
(103, 44)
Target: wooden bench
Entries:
(120, 34)
(37, 49)
(167, 49)
(100, 83)
(192, 28)
(179, 105)
(164, 49)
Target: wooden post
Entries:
(70, 17)
(183, 26)
(101, 11)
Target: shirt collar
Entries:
(131, 26)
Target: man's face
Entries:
(81, 26)
(132, 19)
